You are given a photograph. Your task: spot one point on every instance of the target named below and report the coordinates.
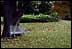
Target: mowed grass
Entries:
(42, 35)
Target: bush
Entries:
(55, 16)
(40, 18)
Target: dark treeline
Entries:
(35, 7)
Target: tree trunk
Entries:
(7, 8)
(11, 16)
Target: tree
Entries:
(11, 15)
(7, 13)
(45, 7)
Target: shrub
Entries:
(55, 16)
(40, 18)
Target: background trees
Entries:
(36, 7)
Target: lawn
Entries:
(42, 35)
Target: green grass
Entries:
(42, 35)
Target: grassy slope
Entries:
(43, 35)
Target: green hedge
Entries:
(40, 17)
